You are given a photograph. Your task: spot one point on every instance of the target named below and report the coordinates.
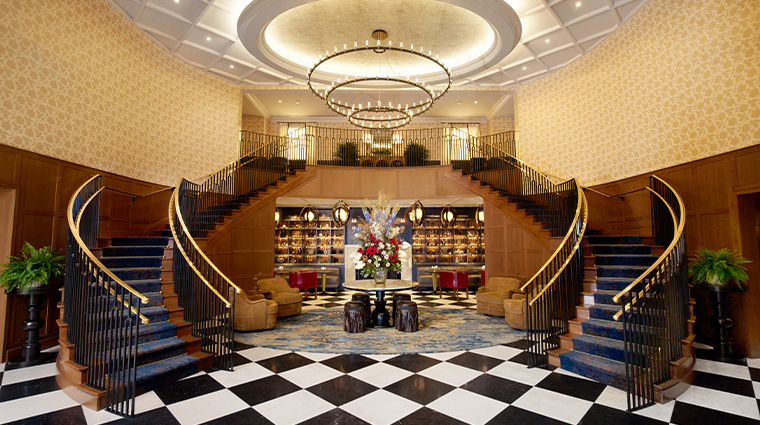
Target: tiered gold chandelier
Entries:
(371, 115)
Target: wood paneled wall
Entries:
(42, 187)
(719, 195)
(511, 251)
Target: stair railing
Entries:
(655, 306)
(100, 310)
(552, 293)
(199, 286)
(552, 203)
(204, 292)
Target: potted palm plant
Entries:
(717, 270)
(415, 154)
(32, 270)
(347, 153)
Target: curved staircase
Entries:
(594, 347)
(164, 350)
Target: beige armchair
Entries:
(254, 312)
(288, 299)
(490, 298)
(514, 309)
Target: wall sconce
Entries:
(308, 215)
(480, 215)
(416, 213)
(340, 213)
(277, 216)
(448, 215)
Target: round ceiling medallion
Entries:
(469, 36)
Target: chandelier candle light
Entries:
(380, 249)
(377, 114)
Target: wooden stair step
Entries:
(576, 325)
(207, 360)
(566, 340)
(553, 356)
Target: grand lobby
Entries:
(554, 165)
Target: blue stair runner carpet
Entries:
(598, 353)
(161, 356)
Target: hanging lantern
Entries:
(480, 215)
(448, 215)
(308, 215)
(416, 213)
(340, 213)
(277, 216)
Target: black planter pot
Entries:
(721, 322)
(30, 350)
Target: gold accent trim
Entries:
(575, 247)
(74, 227)
(581, 201)
(665, 255)
(173, 202)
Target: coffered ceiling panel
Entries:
(212, 26)
(551, 34)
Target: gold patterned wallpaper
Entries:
(678, 82)
(500, 125)
(82, 84)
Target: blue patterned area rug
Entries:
(440, 330)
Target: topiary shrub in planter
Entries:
(415, 154)
(347, 153)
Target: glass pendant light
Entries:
(340, 213)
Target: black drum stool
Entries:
(354, 317)
(368, 310)
(396, 299)
(407, 317)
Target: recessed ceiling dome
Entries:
(469, 36)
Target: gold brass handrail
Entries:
(175, 202)
(581, 200)
(665, 254)
(572, 253)
(190, 263)
(74, 227)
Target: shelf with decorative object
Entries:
(461, 242)
(319, 242)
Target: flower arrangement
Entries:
(380, 249)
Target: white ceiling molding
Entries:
(257, 104)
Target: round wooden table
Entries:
(381, 318)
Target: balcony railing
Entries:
(311, 145)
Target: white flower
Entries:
(401, 254)
(381, 245)
(405, 245)
(359, 265)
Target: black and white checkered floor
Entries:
(483, 386)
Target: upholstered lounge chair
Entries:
(490, 298)
(288, 299)
(514, 309)
(455, 280)
(254, 312)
